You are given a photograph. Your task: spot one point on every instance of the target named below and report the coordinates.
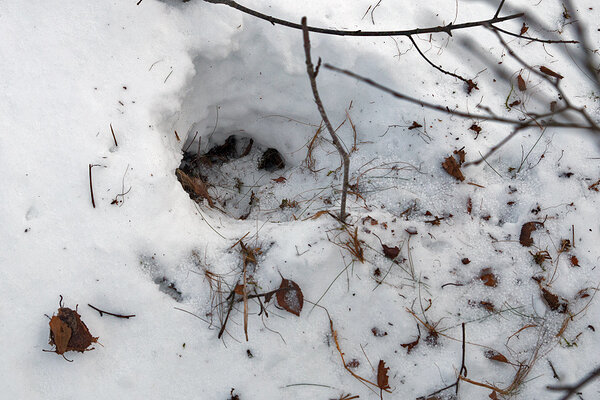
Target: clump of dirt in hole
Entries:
(229, 175)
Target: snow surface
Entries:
(70, 69)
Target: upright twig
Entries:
(91, 185)
(313, 84)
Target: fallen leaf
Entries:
(281, 179)
(371, 220)
(494, 355)
(195, 187)
(476, 128)
(461, 156)
(471, 85)
(488, 277)
(465, 261)
(60, 334)
(515, 103)
(549, 72)
(415, 125)
(239, 289)
(554, 302)
(69, 333)
(487, 305)
(390, 252)
(382, 376)
(574, 261)
(290, 297)
(493, 395)
(451, 166)
(521, 83)
(524, 28)
(411, 345)
(378, 332)
(318, 214)
(526, 230)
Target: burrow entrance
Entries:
(239, 176)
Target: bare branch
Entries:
(459, 113)
(437, 29)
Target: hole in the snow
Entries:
(232, 176)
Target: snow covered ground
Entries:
(70, 70)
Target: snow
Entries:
(72, 69)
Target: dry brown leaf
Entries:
(574, 261)
(521, 83)
(378, 332)
(60, 334)
(476, 128)
(471, 85)
(524, 28)
(382, 376)
(390, 252)
(290, 297)
(549, 72)
(488, 277)
(69, 333)
(461, 156)
(195, 187)
(554, 302)
(371, 220)
(415, 125)
(526, 230)
(281, 179)
(487, 305)
(451, 166)
(411, 345)
(494, 355)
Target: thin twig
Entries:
(109, 313)
(91, 186)
(313, 83)
(436, 66)
(573, 389)
(113, 135)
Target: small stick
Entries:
(177, 136)
(230, 298)
(114, 138)
(91, 186)
(109, 313)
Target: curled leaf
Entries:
(521, 83)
